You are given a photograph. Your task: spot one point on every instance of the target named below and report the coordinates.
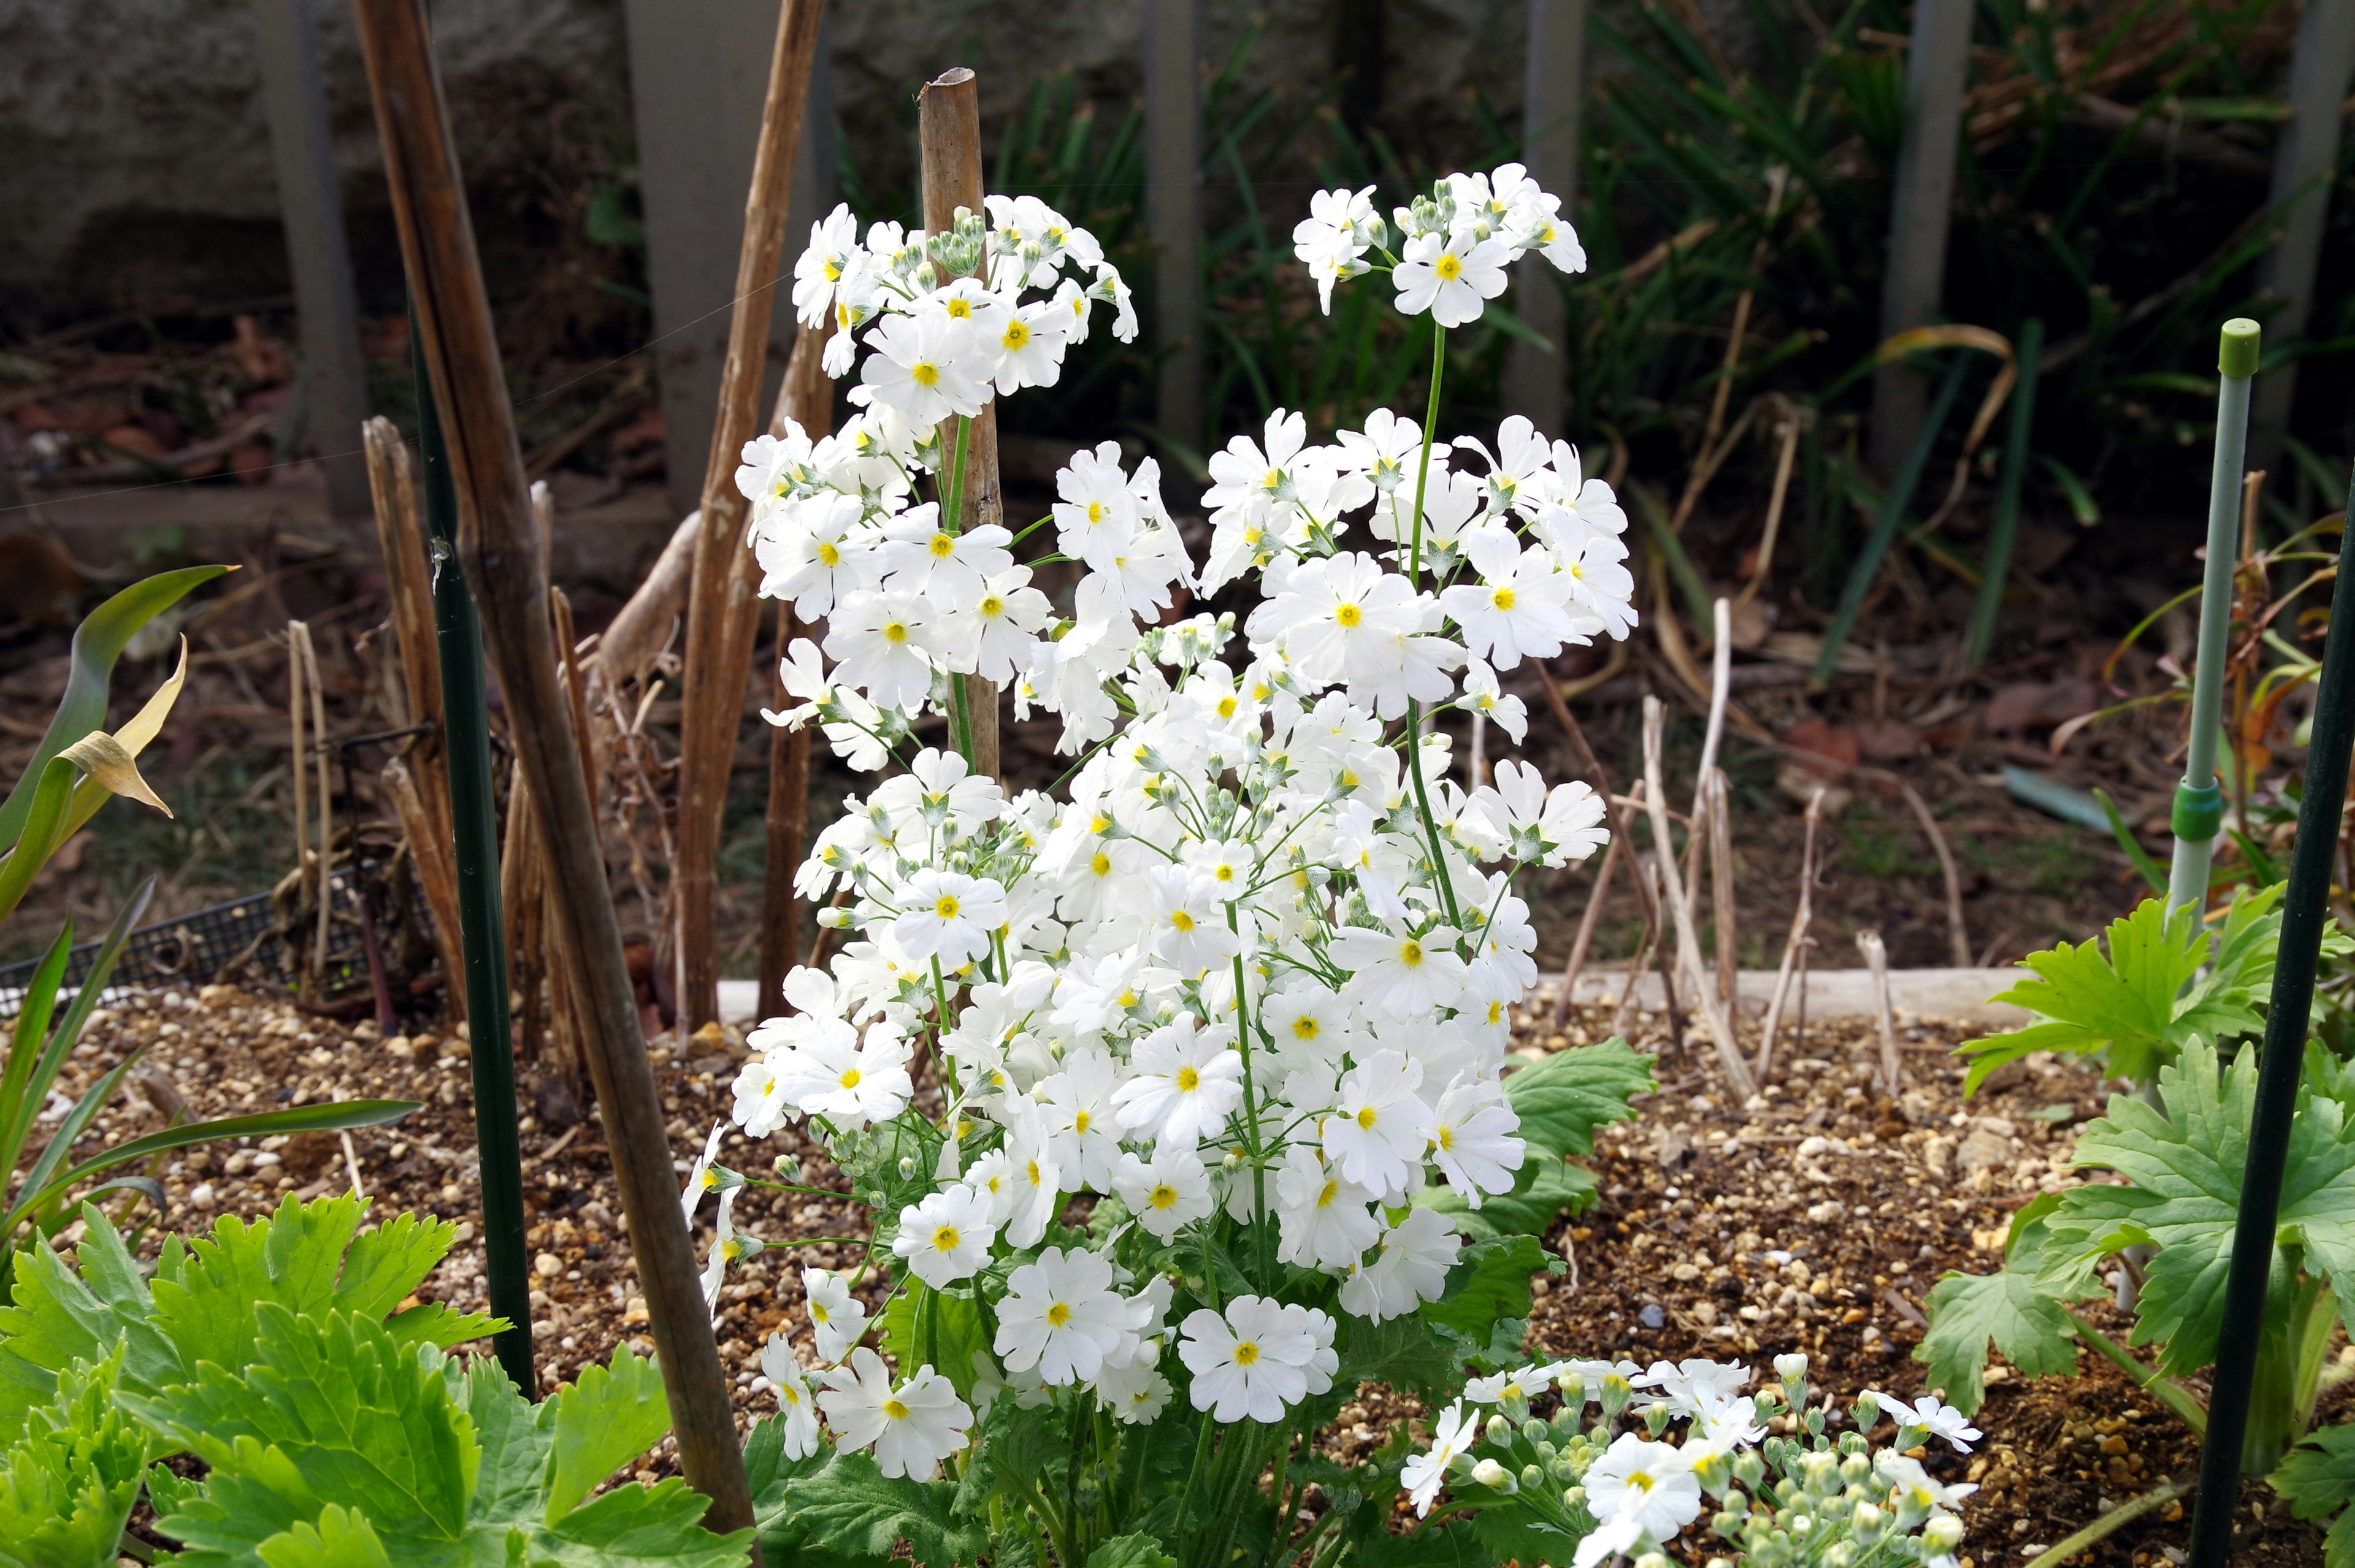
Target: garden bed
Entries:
(1817, 1224)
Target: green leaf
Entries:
(342, 1539)
(2185, 1163)
(2316, 1478)
(850, 1510)
(1490, 1281)
(21, 1097)
(515, 1437)
(2139, 1006)
(1131, 1552)
(363, 1422)
(60, 1317)
(1401, 1351)
(1562, 1099)
(1967, 1311)
(38, 833)
(97, 643)
(342, 1115)
(923, 1327)
(1457, 1544)
(67, 1485)
(609, 1417)
(1511, 1534)
(657, 1524)
(1543, 1188)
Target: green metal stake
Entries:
(2305, 911)
(2199, 799)
(473, 812)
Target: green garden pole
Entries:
(2199, 800)
(474, 824)
(2305, 911)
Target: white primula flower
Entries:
(796, 1411)
(1650, 1484)
(1166, 1195)
(1515, 611)
(1472, 1140)
(927, 366)
(702, 1178)
(880, 643)
(1426, 1472)
(1250, 1362)
(947, 1236)
(1060, 1315)
(833, 252)
(1483, 696)
(1187, 1078)
(1380, 1126)
(1322, 1220)
(919, 556)
(1189, 920)
(949, 916)
(1409, 1268)
(831, 1072)
(912, 1428)
(1453, 276)
(838, 1317)
(1135, 1394)
(1928, 1415)
(1404, 973)
(1331, 240)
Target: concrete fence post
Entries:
(1552, 105)
(1173, 207)
(2306, 155)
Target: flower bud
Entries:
(1656, 1420)
(1749, 1469)
(1495, 1477)
(1652, 1560)
(789, 1169)
(1792, 1366)
(1942, 1533)
(1728, 1522)
(1533, 1475)
(833, 918)
(1868, 1522)
(1499, 1431)
(1534, 1431)
(1573, 1497)
(907, 1166)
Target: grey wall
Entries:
(134, 163)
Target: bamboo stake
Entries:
(1787, 431)
(326, 798)
(723, 613)
(948, 130)
(1957, 935)
(501, 558)
(1704, 995)
(1586, 923)
(645, 623)
(806, 399)
(522, 891)
(1876, 959)
(1794, 946)
(299, 770)
(435, 874)
(1720, 880)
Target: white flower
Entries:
(1250, 1363)
(947, 1236)
(1649, 1483)
(1405, 975)
(1617, 1535)
(1135, 1394)
(1324, 1221)
(1472, 1140)
(838, 1317)
(833, 250)
(726, 1246)
(1929, 1414)
(1516, 610)
(1185, 1079)
(1409, 1268)
(949, 916)
(1424, 1473)
(832, 1072)
(880, 642)
(1331, 241)
(912, 1428)
(795, 1412)
(992, 635)
(1380, 1127)
(814, 552)
(1483, 696)
(922, 367)
(1189, 920)
(1166, 1195)
(1921, 1492)
(920, 556)
(1060, 1315)
(1453, 276)
(702, 1179)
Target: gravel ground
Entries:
(1819, 1223)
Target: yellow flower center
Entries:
(1324, 1198)
(827, 555)
(1349, 614)
(833, 271)
(1366, 1117)
(992, 605)
(962, 309)
(1182, 920)
(818, 1313)
(1305, 1027)
(851, 1077)
(895, 1410)
(1101, 864)
(1018, 335)
(1188, 1080)
(1226, 708)
(1057, 1315)
(1449, 267)
(1272, 480)
(1162, 1197)
(946, 1238)
(1501, 597)
(925, 373)
(1246, 1353)
(1411, 953)
(945, 906)
(895, 632)
(1081, 1119)
(944, 546)
(1641, 1480)
(1446, 1139)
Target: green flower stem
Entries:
(2164, 1390)
(953, 521)
(2116, 1518)
(1415, 581)
(1250, 1110)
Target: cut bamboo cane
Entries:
(436, 874)
(646, 621)
(502, 561)
(299, 771)
(722, 610)
(521, 895)
(1703, 994)
(806, 399)
(1586, 923)
(1720, 880)
(948, 134)
(1958, 935)
(1876, 959)
(1794, 946)
(325, 791)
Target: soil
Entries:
(1817, 1224)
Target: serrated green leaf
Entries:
(341, 1538)
(69, 1483)
(60, 1317)
(2316, 1478)
(1511, 1534)
(365, 1422)
(2140, 1005)
(1011, 1448)
(1457, 1544)
(1967, 1311)
(222, 1521)
(609, 1417)
(1562, 1099)
(849, 1509)
(514, 1439)
(2185, 1163)
(1543, 1188)
(1403, 1352)
(1129, 1551)
(1490, 1281)
(658, 1524)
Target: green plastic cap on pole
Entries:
(2236, 351)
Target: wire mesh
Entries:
(205, 946)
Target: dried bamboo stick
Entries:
(1794, 946)
(401, 539)
(948, 134)
(436, 875)
(1876, 959)
(1957, 935)
(646, 623)
(522, 889)
(722, 610)
(1788, 432)
(503, 563)
(1704, 995)
(1720, 880)
(1586, 923)
(327, 799)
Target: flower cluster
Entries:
(1799, 1500)
(1453, 245)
